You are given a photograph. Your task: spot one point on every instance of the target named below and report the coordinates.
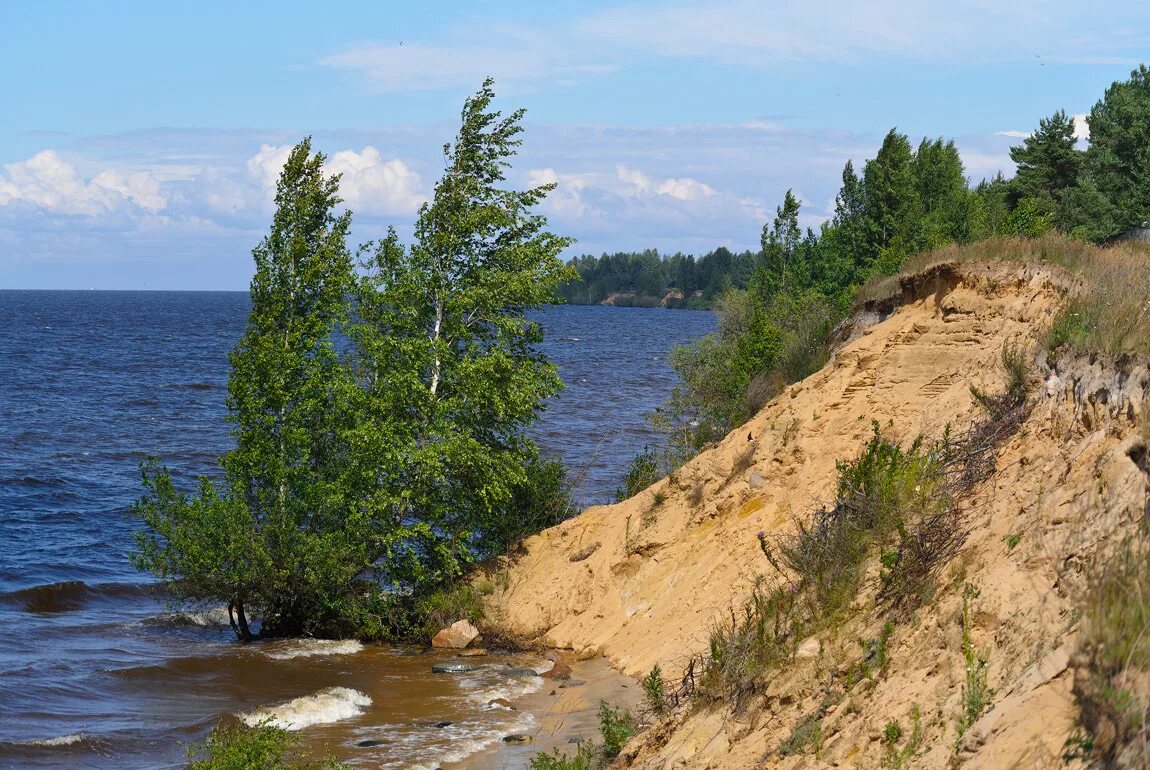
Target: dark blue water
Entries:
(93, 382)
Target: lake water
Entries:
(95, 670)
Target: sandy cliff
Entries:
(642, 582)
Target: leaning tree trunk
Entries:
(239, 620)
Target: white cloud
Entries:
(566, 199)
(416, 66)
(686, 189)
(634, 182)
(1081, 126)
(372, 185)
(1013, 134)
(48, 181)
(368, 183)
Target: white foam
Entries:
(216, 616)
(441, 746)
(333, 704)
(62, 740)
(306, 648)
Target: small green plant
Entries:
(893, 757)
(655, 691)
(1012, 540)
(262, 747)
(806, 735)
(751, 641)
(976, 693)
(875, 656)
(586, 757)
(642, 472)
(616, 725)
(1080, 745)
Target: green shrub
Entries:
(655, 691)
(586, 757)
(750, 642)
(616, 725)
(447, 605)
(642, 472)
(881, 496)
(263, 747)
(806, 735)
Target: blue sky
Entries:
(139, 142)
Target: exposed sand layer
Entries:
(641, 582)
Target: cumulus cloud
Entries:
(1081, 126)
(371, 184)
(566, 199)
(368, 183)
(686, 189)
(1013, 134)
(49, 182)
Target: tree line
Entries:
(909, 199)
(378, 403)
(906, 200)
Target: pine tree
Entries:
(1048, 162)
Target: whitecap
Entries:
(61, 740)
(333, 704)
(306, 648)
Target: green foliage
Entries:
(646, 279)
(655, 691)
(806, 734)
(893, 757)
(976, 693)
(380, 417)
(642, 472)
(616, 725)
(880, 496)
(276, 535)
(263, 747)
(761, 635)
(1110, 313)
(586, 757)
(1047, 162)
(448, 360)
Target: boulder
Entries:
(456, 636)
(560, 669)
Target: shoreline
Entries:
(565, 713)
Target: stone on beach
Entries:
(456, 636)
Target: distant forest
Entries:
(907, 200)
(648, 279)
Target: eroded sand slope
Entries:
(642, 581)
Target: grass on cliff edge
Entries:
(1109, 312)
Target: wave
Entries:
(214, 616)
(488, 684)
(41, 749)
(333, 704)
(60, 740)
(441, 746)
(70, 595)
(306, 648)
(190, 386)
